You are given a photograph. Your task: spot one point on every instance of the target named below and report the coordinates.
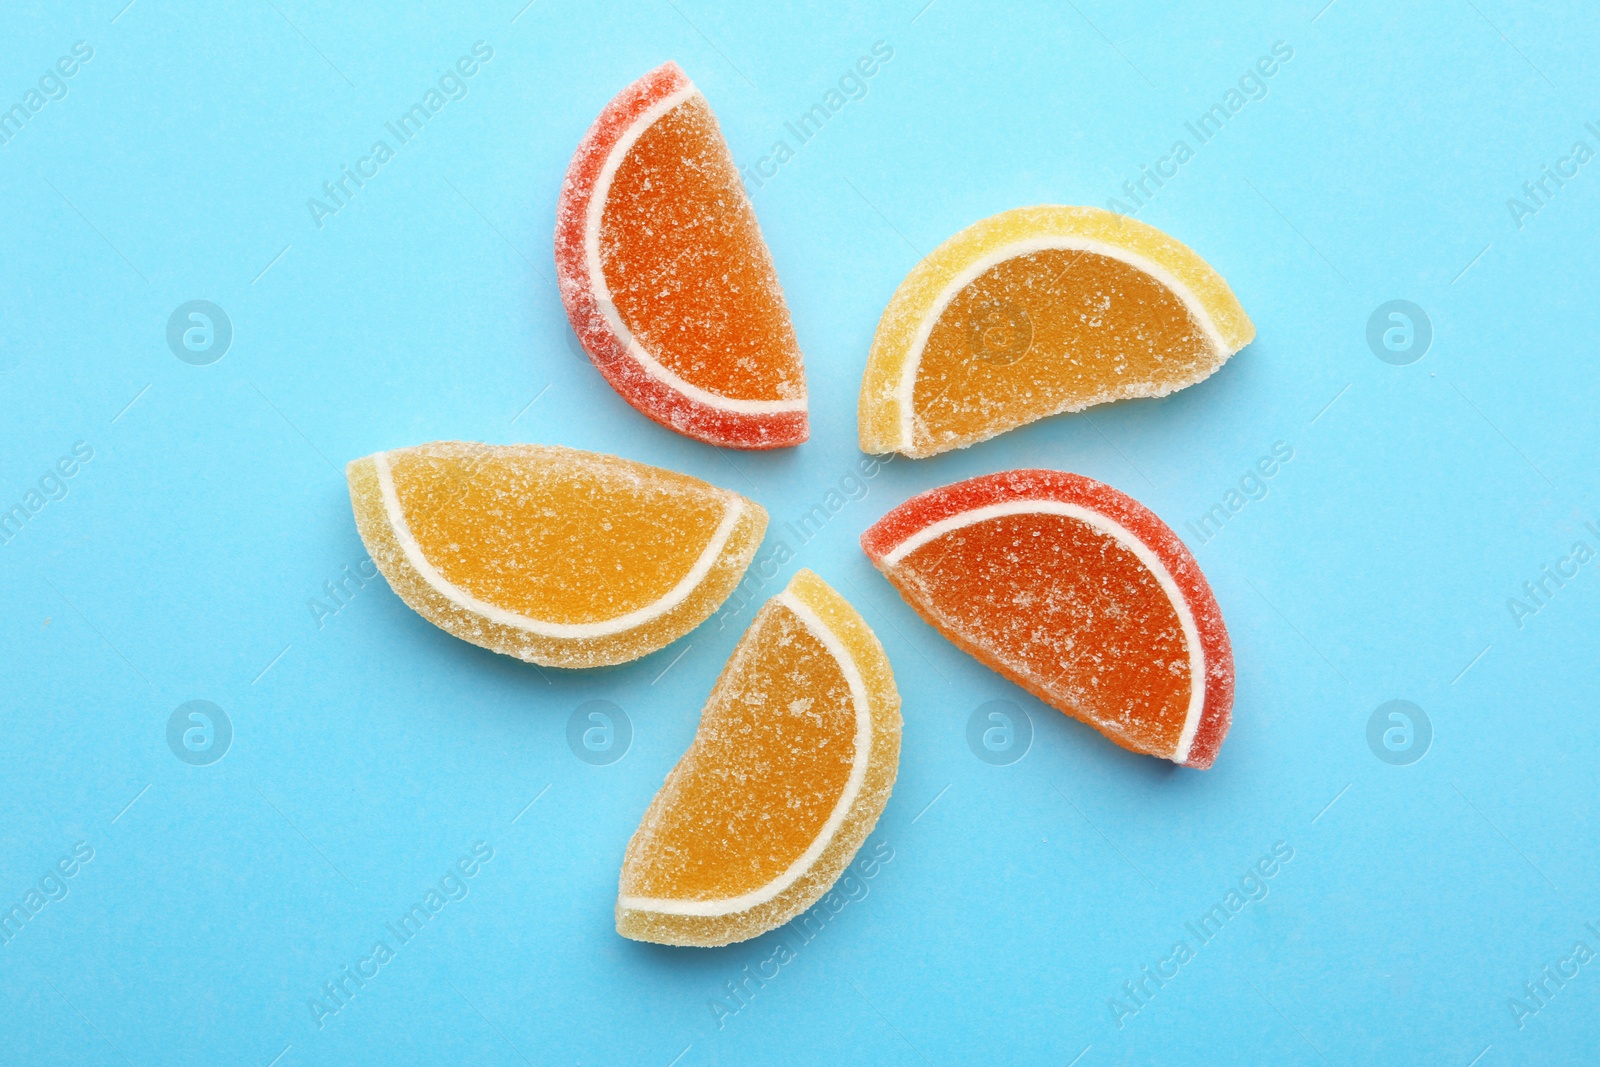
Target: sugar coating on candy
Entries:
(782, 729)
(1052, 331)
(676, 220)
(793, 761)
(549, 554)
(1035, 312)
(1056, 600)
(666, 278)
(1076, 592)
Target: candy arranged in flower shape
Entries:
(1038, 311)
(793, 762)
(665, 277)
(1076, 592)
(552, 555)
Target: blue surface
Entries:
(370, 751)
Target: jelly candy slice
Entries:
(793, 762)
(1077, 593)
(552, 555)
(1038, 311)
(665, 277)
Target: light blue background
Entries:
(370, 753)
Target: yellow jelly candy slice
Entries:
(793, 762)
(549, 554)
(1038, 311)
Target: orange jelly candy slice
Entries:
(665, 277)
(552, 555)
(793, 762)
(1038, 311)
(1076, 592)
